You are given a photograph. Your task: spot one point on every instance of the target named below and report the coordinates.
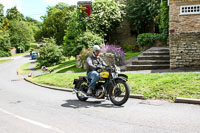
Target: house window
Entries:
(192, 9)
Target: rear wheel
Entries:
(82, 86)
(119, 94)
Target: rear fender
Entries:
(76, 81)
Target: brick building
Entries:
(184, 33)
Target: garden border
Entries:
(177, 100)
(70, 90)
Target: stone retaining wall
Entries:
(185, 50)
(184, 36)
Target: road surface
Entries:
(26, 108)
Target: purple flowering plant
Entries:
(116, 50)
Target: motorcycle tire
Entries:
(125, 96)
(83, 88)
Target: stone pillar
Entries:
(108, 58)
(184, 36)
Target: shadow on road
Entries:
(87, 104)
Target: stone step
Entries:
(156, 53)
(153, 57)
(147, 67)
(149, 62)
(158, 49)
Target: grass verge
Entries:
(24, 69)
(153, 86)
(19, 54)
(3, 61)
(68, 66)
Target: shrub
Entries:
(88, 40)
(27, 47)
(148, 39)
(117, 51)
(85, 40)
(4, 53)
(50, 53)
(83, 56)
(164, 21)
(128, 47)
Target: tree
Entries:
(106, 15)
(75, 28)
(83, 41)
(55, 22)
(141, 13)
(4, 35)
(14, 14)
(34, 22)
(4, 43)
(1, 13)
(20, 33)
(35, 25)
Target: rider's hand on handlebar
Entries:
(99, 69)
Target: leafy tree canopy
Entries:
(141, 13)
(1, 13)
(14, 14)
(20, 33)
(106, 15)
(55, 22)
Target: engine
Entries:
(100, 91)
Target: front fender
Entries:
(121, 78)
(110, 85)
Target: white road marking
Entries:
(32, 121)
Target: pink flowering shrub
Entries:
(117, 51)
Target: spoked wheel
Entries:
(82, 86)
(119, 94)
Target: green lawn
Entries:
(19, 54)
(23, 69)
(131, 54)
(153, 86)
(68, 66)
(3, 61)
(64, 80)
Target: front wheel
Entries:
(119, 94)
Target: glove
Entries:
(107, 68)
(99, 69)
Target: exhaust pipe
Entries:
(79, 92)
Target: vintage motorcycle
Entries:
(112, 86)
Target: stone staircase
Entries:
(153, 58)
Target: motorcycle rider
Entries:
(94, 66)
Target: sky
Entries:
(34, 8)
